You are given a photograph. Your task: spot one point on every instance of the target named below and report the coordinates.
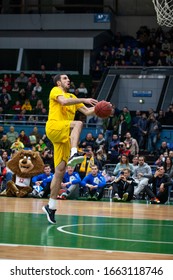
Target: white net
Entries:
(164, 12)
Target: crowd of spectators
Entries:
(122, 148)
(151, 47)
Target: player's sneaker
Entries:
(125, 196)
(154, 200)
(63, 196)
(50, 214)
(116, 198)
(75, 159)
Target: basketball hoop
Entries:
(164, 12)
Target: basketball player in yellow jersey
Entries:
(64, 132)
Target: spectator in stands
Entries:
(33, 79)
(141, 176)
(40, 146)
(93, 184)
(161, 61)
(114, 142)
(29, 88)
(169, 115)
(160, 161)
(6, 106)
(4, 95)
(33, 98)
(163, 148)
(100, 140)
(22, 78)
(41, 183)
(5, 144)
(171, 155)
(169, 58)
(153, 132)
(2, 132)
(168, 166)
(113, 149)
(122, 127)
(27, 105)
(142, 129)
(158, 191)
(97, 69)
(17, 107)
(37, 88)
(134, 125)
(101, 156)
(24, 138)
(123, 164)
(22, 95)
(82, 90)
(15, 88)
(17, 145)
(127, 116)
(42, 117)
(12, 134)
(110, 125)
(131, 144)
(37, 110)
(161, 117)
(70, 184)
(128, 53)
(151, 59)
(89, 140)
(58, 67)
(89, 160)
(123, 187)
(44, 79)
(135, 59)
(35, 133)
(6, 78)
(7, 86)
(122, 150)
(135, 161)
(47, 157)
(5, 157)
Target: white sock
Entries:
(52, 203)
(73, 151)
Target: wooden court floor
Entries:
(85, 230)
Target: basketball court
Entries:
(85, 230)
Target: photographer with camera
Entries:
(158, 191)
(123, 187)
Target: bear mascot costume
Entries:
(24, 164)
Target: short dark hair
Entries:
(56, 78)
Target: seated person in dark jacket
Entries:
(123, 187)
(158, 192)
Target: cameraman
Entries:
(123, 187)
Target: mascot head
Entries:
(26, 164)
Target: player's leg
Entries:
(76, 128)
(61, 155)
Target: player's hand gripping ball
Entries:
(103, 109)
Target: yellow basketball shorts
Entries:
(59, 134)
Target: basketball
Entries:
(103, 109)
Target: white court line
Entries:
(61, 229)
